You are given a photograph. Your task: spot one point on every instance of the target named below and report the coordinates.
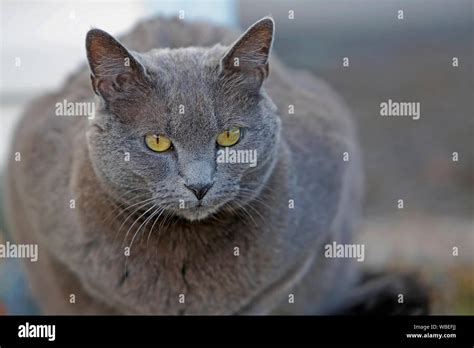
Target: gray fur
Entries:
(187, 251)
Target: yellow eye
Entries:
(229, 137)
(157, 143)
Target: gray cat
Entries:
(133, 213)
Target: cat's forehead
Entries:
(187, 84)
(184, 66)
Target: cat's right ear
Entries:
(248, 56)
(114, 71)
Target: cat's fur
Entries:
(190, 251)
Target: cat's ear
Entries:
(249, 54)
(114, 70)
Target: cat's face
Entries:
(188, 131)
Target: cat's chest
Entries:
(186, 270)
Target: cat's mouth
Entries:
(199, 209)
(197, 212)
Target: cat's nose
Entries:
(199, 190)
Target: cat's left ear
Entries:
(114, 71)
(249, 54)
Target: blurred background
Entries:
(407, 59)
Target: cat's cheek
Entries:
(155, 170)
(91, 134)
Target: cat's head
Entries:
(189, 131)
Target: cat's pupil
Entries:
(227, 134)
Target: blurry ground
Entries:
(423, 244)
